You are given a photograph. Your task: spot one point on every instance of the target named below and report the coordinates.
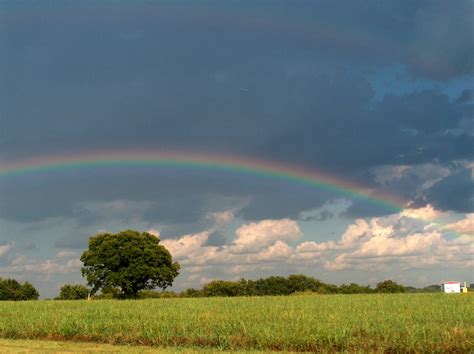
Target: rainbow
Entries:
(202, 161)
(219, 16)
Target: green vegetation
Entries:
(10, 289)
(73, 292)
(129, 260)
(276, 285)
(372, 322)
(389, 287)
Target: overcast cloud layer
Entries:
(377, 93)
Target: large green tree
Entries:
(129, 260)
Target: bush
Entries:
(192, 293)
(302, 283)
(275, 285)
(389, 286)
(151, 294)
(10, 289)
(222, 288)
(73, 292)
(354, 288)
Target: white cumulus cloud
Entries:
(5, 248)
(65, 254)
(464, 226)
(186, 245)
(425, 213)
(257, 235)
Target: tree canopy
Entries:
(73, 292)
(10, 289)
(293, 284)
(128, 260)
(389, 286)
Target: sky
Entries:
(377, 97)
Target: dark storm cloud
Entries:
(351, 137)
(75, 240)
(38, 197)
(321, 216)
(456, 192)
(361, 209)
(107, 78)
(443, 44)
(466, 96)
(426, 112)
(179, 198)
(277, 80)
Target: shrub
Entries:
(10, 289)
(73, 292)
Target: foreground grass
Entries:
(35, 346)
(15, 346)
(397, 323)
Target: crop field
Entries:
(395, 323)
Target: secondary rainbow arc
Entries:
(206, 161)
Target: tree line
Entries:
(272, 286)
(294, 284)
(280, 286)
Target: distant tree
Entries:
(247, 287)
(389, 286)
(192, 293)
(10, 289)
(274, 285)
(435, 288)
(328, 289)
(222, 288)
(354, 288)
(412, 289)
(129, 260)
(301, 283)
(73, 292)
(29, 292)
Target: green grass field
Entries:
(395, 323)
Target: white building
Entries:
(452, 287)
